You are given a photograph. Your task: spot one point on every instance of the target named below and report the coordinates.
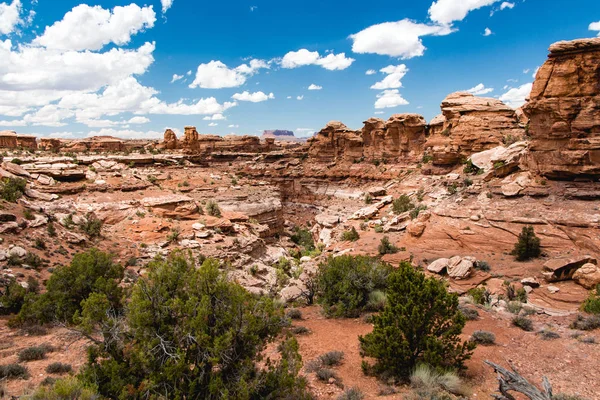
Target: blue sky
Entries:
(134, 68)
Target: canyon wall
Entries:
(564, 111)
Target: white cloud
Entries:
(304, 130)
(252, 8)
(213, 124)
(594, 26)
(515, 97)
(393, 79)
(289, 97)
(216, 75)
(314, 87)
(13, 123)
(390, 98)
(370, 72)
(487, 32)
(166, 4)
(506, 4)
(176, 78)
(526, 70)
(445, 12)
(379, 112)
(480, 89)
(299, 97)
(91, 28)
(215, 117)
(302, 57)
(10, 17)
(233, 126)
(138, 120)
(397, 39)
(189, 73)
(256, 97)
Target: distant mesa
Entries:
(282, 135)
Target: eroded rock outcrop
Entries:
(8, 139)
(470, 124)
(564, 111)
(170, 140)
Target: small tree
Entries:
(351, 235)
(212, 209)
(385, 247)
(528, 245)
(345, 282)
(11, 189)
(420, 323)
(402, 204)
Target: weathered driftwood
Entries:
(512, 381)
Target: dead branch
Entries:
(512, 381)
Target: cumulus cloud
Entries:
(138, 120)
(10, 17)
(176, 78)
(487, 32)
(299, 97)
(303, 57)
(594, 26)
(217, 75)
(390, 98)
(445, 12)
(397, 39)
(314, 87)
(506, 5)
(214, 117)
(516, 97)
(256, 97)
(370, 72)
(166, 4)
(480, 90)
(213, 124)
(91, 28)
(393, 79)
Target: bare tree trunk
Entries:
(512, 381)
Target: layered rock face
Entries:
(50, 144)
(470, 124)
(8, 139)
(564, 111)
(170, 140)
(397, 137)
(27, 142)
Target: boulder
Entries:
(172, 206)
(456, 267)
(439, 266)
(415, 228)
(531, 282)
(16, 169)
(561, 269)
(17, 251)
(588, 275)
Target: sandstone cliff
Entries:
(564, 111)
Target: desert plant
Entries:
(212, 208)
(414, 213)
(303, 238)
(528, 245)
(470, 314)
(377, 300)
(345, 282)
(428, 379)
(402, 204)
(483, 337)
(34, 353)
(300, 330)
(420, 323)
(351, 235)
(59, 368)
(28, 215)
(39, 244)
(12, 189)
(592, 303)
(480, 295)
(13, 371)
(51, 229)
(482, 266)
(548, 334)
(91, 226)
(368, 198)
(586, 323)
(325, 374)
(353, 393)
(294, 313)
(514, 307)
(65, 389)
(385, 247)
(173, 236)
(523, 322)
(331, 358)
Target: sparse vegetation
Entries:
(483, 337)
(431, 384)
(300, 330)
(385, 247)
(351, 235)
(414, 213)
(13, 371)
(34, 353)
(353, 393)
(212, 209)
(65, 389)
(51, 229)
(586, 323)
(294, 313)
(331, 358)
(528, 245)
(420, 323)
(59, 368)
(469, 313)
(402, 204)
(345, 283)
(523, 322)
(592, 303)
(91, 226)
(12, 189)
(547, 334)
(368, 198)
(482, 266)
(480, 295)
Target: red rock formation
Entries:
(564, 111)
(8, 139)
(50, 144)
(190, 143)
(27, 142)
(335, 142)
(470, 124)
(170, 140)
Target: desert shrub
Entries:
(68, 221)
(303, 238)
(420, 323)
(92, 226)
(469, 313)
(385, 247)
(378, 228)
(294, 313)
(368, 198)
(90, 272)
(33, 260)
(588, 340)
(51, 229)
(59, 368)
(482, 266)
(353, 393)
(12, 189)
(470, 168)
(212, 208)
(467, 182)
(344, 283)
(584, 323)
(17, 161)
(13, 371)
(34, 353)
(34, 330)
(547, 334)
(12, 296)
(453, 188)
(592, 303)
(192, 333)
(39, 244)
(66, 389)
(28, 215)
(483, 337)
(331, 358)
(300, 330)
(325, 374)
(519, 295)
(523, 322)
(514, 307)
(351, 235)
(414, 213)
(402, 204)
(377, 300)
(429, 379)
(528, 245)
(479, 295)
(561, 396)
